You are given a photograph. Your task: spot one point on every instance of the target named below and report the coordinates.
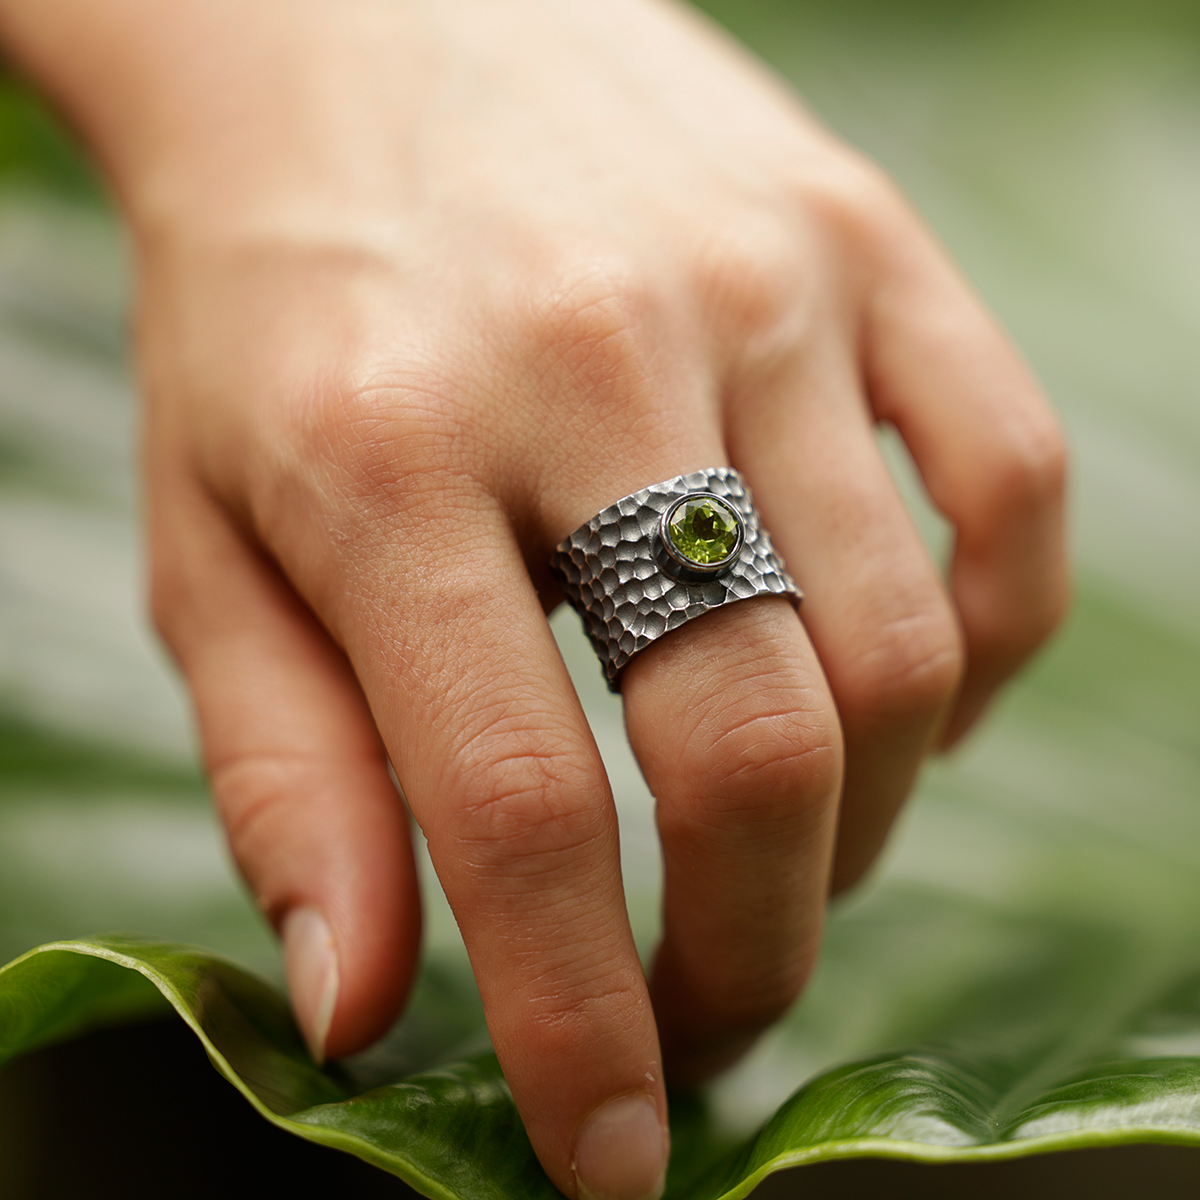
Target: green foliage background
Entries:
(1025, 969)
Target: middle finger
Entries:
(735, 730)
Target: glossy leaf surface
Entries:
(451, 1131)
(1087, 1045)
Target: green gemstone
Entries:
(703, 530)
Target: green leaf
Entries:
(1092, 1043)
(451, 1131)
(36, 151)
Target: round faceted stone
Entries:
(703, 531)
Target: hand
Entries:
(423, 287)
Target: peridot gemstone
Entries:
(703, 530)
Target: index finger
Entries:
(503, 776)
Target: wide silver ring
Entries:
(663, 556)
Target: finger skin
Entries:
(989, 449)
(735, 730)
(503, 776)
(296, 766)
(875, 607)
(732, 722)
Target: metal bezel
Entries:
(617, 574)
(689, 566)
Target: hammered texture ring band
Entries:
(664, 555)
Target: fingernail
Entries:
(312, 974)
(621, 1153)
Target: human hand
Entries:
(425, 286)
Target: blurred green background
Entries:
(1055, 148)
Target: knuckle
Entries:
(558, 1017)
(557, 1013)
(589, 328)
(1030, 472)
(749, 275)
(853, 199)
(252, 792)
(360, 447)
(765, 762)
(376, 434)
(784, 752)
(525, 807)
(1003, 636)
(910, 670)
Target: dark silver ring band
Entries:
(664, 555)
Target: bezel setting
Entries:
(685, 566)
(617, 573)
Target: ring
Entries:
(663, 556)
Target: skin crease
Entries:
(423, 286)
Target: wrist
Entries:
(203, 105)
